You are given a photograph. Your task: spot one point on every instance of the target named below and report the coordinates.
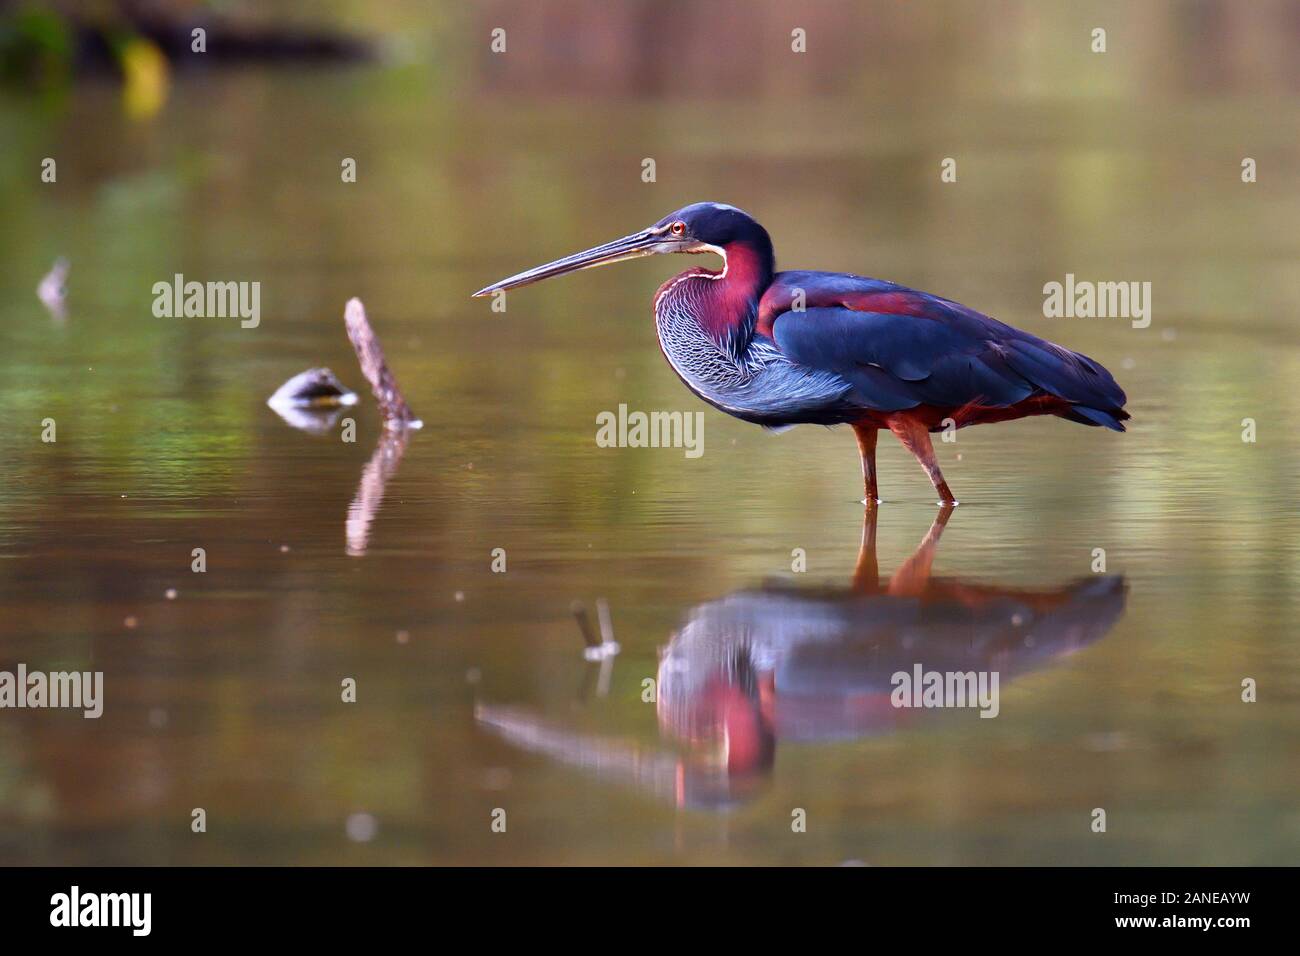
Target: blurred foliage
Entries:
(35, 44)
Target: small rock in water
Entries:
(311, 400)
(314, 388)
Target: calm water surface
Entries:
(1120, 691)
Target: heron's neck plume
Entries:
(724, 302)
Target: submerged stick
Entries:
(589, 637)
(602, 647)
(392, 406)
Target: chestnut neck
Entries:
(724, 303)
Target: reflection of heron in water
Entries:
(783, 663)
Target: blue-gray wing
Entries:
(928, 351)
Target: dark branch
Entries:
(393, 407)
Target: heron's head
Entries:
(699, 227)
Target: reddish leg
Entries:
(916, 439)
(913, 577)
(866, 575)
(867, 435)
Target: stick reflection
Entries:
(370, 490)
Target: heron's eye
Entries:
(678, 228)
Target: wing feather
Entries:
(900, 348)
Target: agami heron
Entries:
(829, 348)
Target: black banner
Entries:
(334, 905)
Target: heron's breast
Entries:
(750, 380)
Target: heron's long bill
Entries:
(638, 244)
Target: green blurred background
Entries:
(1123, 165)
